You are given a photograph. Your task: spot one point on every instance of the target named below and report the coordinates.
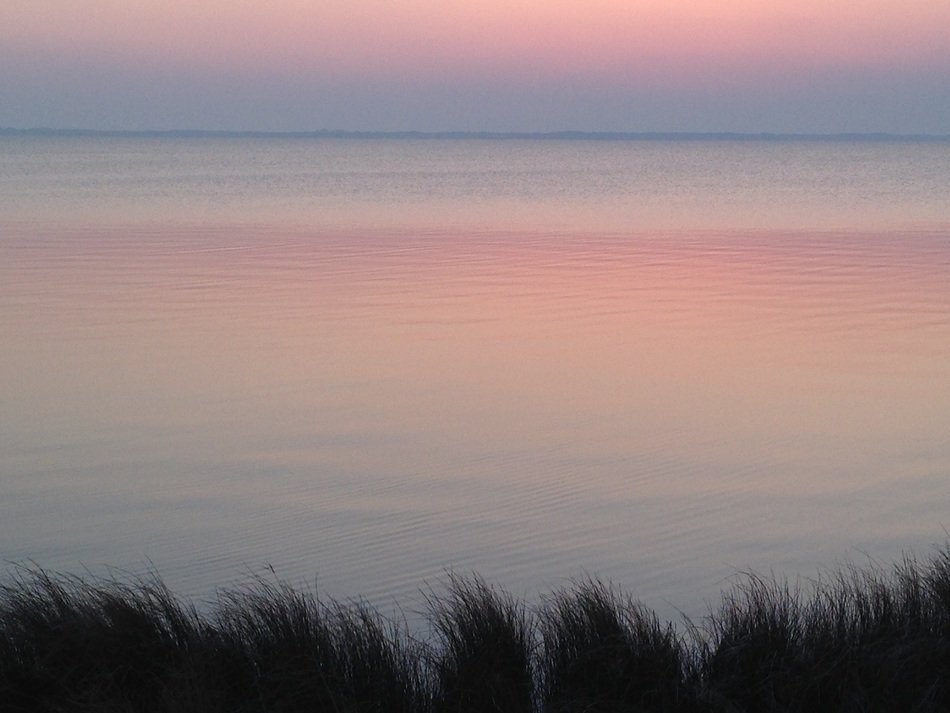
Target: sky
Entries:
(796, 66)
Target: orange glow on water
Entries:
(571, 400)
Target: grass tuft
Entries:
(605, 652)
(98, 645)
(864, 640)
(484, 661)
(287, 651)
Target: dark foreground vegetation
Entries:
(859, 640)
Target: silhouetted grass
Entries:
(605, 652)
(863, 640)
(68, 644)
(287, 651)
(870, 639)
(485, 659)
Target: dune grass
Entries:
(860, 639)
(482, 662)
(602, 651)
(864, 640)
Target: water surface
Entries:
(368, 362)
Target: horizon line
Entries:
(566, 135)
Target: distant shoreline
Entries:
(474, 135)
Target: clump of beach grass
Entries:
(483, 659)
(71, 644)
(288, 651)
(858, 639)
(862, 639)
(605, 652)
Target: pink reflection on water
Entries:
(656, 403)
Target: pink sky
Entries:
(607, 64)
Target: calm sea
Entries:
(367, 363)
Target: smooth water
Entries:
(365, 363)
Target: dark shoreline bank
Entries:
(859, 640)
(472, 135)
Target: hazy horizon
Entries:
(606, 66)
(566, 134)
